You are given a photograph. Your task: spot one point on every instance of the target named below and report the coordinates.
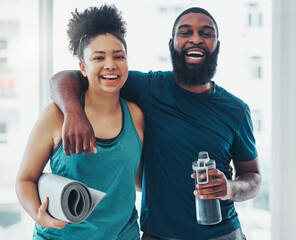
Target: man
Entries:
(186, 112)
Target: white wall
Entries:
(283, 191)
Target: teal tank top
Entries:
(112, 170)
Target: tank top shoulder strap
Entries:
(129, 126)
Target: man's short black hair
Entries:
(194, 10)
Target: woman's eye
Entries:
(120, 57)
(97, 58)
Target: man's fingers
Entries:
(66, 147)
(87, 146)
(72, 146)
(79, 146)
(93, 144)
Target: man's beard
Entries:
(191, 75)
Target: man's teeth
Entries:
(195, 54)
(110, 76)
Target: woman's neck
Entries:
(104, 113)
(106, 103)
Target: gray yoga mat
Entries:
(69, 200)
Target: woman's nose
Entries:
(110, 65)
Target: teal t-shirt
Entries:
(178, 125)
(112, 170)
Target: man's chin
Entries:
(194, 66)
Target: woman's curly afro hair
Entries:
(93, 22)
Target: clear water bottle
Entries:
(208, 211)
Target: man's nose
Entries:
(196, 39)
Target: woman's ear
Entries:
(82, 69)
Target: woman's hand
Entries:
(45, 220)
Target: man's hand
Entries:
(244, 186)
(65, 89)
(78, 134)
(217, 187)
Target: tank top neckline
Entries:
(106, 140)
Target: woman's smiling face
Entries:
(105, 64)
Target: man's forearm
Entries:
(66, 88)
(245, 187)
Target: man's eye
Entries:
(207, 34)
(184, 33)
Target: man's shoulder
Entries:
(151, 75)
(228, 96)
(162, 75)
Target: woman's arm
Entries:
(65, 89)
(44, 136)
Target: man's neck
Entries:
(202, 89)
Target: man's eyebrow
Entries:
(203, 27)
(184, 25)
(208, 27)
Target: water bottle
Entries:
(208, 211)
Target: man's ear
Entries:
(82, 69)
(170, 42)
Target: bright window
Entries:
(255, 16)
(256, 67)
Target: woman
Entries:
(97, 38)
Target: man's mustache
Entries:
(206, 51)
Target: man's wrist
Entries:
(73, 111)
(230, 190)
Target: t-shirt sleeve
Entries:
(243, 148)
(136, 84)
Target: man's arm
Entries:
(65, 90)
(65, 86)
(247, 181)
(139, 177)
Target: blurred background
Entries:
(34, 46)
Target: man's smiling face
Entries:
(194, 49)
(195, 34)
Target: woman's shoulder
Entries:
(52, 118)
(52, 113)
(134, 108)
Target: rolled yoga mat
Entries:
(69, 200)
